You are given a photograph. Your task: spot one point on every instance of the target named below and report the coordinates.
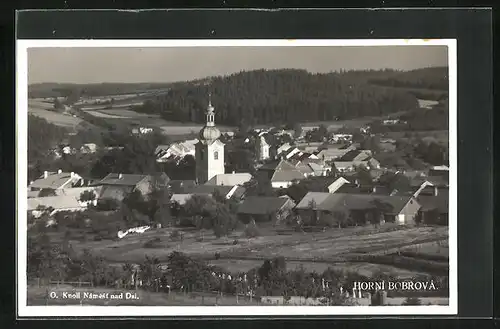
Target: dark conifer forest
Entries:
(281, 97)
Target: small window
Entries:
(216, 155)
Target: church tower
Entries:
(209, 149)
(262, 148)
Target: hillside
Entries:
(44, 90)
(280, 96)
(432, 78)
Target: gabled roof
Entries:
(322, 201)
(54, 180)
(77, 191)
(345, 201)
(350, 156)
(260, 205)
(286, 172)
(125, 180)
(230, 179)
(56, 202)
(116, 192)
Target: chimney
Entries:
(59, 171)
(45, 174)
(120, 176)
(72, 174)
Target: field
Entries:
(58, 119)
(438, 136)
(315, 251)
(126, 117)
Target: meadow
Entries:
(339, 248)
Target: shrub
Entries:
(153, 243)
(251, 231)
(412, 301)
(174, 235)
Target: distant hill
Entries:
(44, 90)
(283, 96)
(427, 78)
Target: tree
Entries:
(378, 209)
(223, 221)
(150, 271)
(340, 217)
(412, 301)
(363, 176)
(297, 130)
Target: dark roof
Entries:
(210, 189)
(439, 202)
(115, 192)
(382, 190)
(347, 201)
(353, 188)
(260, 205)
(349, 156)
(178, 185)
(270, 165)
(125, 180)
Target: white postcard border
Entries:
(23, 310)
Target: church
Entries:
(209, 149)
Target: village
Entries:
(314, 195)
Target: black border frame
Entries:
(472, 28)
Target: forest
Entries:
(280, 97)
(428, 78)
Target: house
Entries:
(333, 187)
(359, 208)
(176, 150)
(311, 167)
(290, 153)
(283, 148)
(265, 209)
(333, 152)
(230, 179)
(56, 180)
(429, 186)
(442, 171)
(118, 186)
(182, 198)
(226, 191)
(142, 130)
(176, 186)
(281, 174)
(344, 166)
(337, 138)
(435, 209)
(356, 155)
(37, 206)
(88, 148)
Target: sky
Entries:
(129, 65)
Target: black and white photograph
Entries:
(286, 176)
